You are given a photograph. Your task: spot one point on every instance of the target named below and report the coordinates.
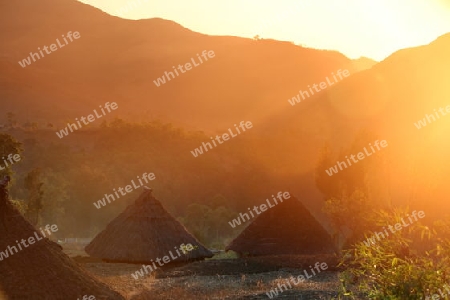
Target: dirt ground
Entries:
(218, 278)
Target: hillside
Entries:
(118, 60)
(384, 102)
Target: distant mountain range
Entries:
(117, 60)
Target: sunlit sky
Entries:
(371, 28)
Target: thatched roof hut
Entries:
(144, 232)
(41, 270)
(286, 228)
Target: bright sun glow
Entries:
(356, 28)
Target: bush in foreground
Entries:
(412, 263)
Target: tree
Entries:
(54, 197)
(349, 193)
(209, 225)
(33, 185)
(349, 213)
(196, 220)
(328, 185)
(8, 145)
(12, 121)
(34, 126)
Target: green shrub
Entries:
(411, 263)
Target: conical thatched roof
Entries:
(41, 270)
(145, 231)
(285, 228)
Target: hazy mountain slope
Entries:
(386, 100)
(117, 60)
(363, 63)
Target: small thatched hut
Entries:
(41, 270)
(144, 232)
(287, 228)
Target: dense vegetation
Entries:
(408, 263)
(68, 175)
(57, 181)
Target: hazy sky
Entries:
(372, 28)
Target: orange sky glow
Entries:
(356, 28)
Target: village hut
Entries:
(144, 232)
(40, 270)
(285, 228)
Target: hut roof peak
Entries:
(42, 260)
(149, 229)
(146, 195)
(272, 232)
